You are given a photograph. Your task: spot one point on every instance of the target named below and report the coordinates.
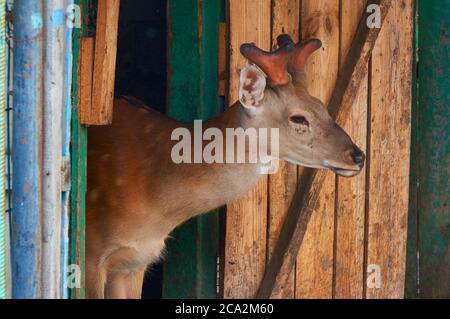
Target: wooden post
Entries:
(320, 19)
(388, 173)
(285, 17)
(190, 267)
(78, 162)
(246, 219)
(351, 192)
(222, 66)
(104, 62)
(86, 70)
(428, 232)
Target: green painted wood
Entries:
(78, 173)
(431, 157)
(411, 284)
(190, 263)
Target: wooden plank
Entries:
(431, 155)
(222, 51)
(314, 273)
(292, 233)
(246, 220)
(78, 161)
(285, 19)
(354, 71)
(282, 185)
(190, 264)
(350, 196)
(86, 70)
(388, 180)
(412, 289)
(310, 183)
(104, 62)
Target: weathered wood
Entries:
(314, 273)
(222, 51)
(285, 17)
(429, 231)
(104, 62)
(190, 265)
(292, 233)
(388, 180)
(246, 220)
(354, 70)
(350, 192)
(78, 162)
(307, 194)
(85, 89)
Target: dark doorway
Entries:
(141, 52)
(141, 73)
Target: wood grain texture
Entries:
(292, 233)
(104, 62)
(222, 63)
(246, 219)
(314, 271)
(355, 66)
(85, 89)
(310, 182)
(389, 151)
(350, 197)
(285, 19)
(282, 185)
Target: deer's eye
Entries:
(299, 119)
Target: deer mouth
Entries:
(344, 172)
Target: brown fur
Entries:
(137, 195)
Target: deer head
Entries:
(273, 93)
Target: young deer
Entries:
(137, 195)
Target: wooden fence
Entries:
(355, 245)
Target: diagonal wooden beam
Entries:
(305, 199)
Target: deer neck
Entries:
(233, 117)
(237, 119)
(216, 183)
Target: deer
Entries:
(137, 195)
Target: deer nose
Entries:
(358, 156)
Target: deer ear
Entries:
(252, 84)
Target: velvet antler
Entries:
(274, 64)
(288, 58)
(300, 52)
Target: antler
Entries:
(300, 52)
(274, 64)
(288, 58)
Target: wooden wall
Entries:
(359, 224)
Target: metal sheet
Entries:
(27, 145)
